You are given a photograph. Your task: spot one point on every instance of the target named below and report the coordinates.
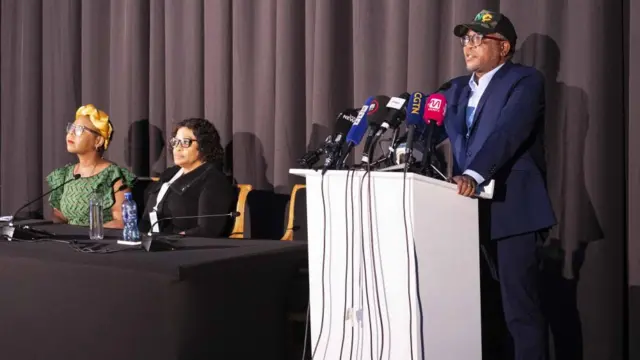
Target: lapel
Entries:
(184, 182)
(456, 128)
(495, 83)
(488, 112)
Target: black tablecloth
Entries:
(214, 299)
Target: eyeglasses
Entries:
(184, 143)
(476, 39)
(79, 129)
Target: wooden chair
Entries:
(288, 234)
(238, 226)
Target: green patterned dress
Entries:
(73, 198)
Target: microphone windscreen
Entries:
(436, 109)
(415, 109)
(360, 125)
(378, 110)
(344, 121)
(444, 87)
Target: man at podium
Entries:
(493, 122)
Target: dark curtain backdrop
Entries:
(272, 74)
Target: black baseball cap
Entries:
(489, 22)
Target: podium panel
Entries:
(393, 267)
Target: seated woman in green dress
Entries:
(88, 137)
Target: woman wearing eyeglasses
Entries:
(88, 137)
(196, 186)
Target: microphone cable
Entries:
(346, 270)
(96, 248)
(324, 260)
(354, 313)
(363, 270)
(360, 338)
(306, 332)
(375, 291)
(406, 235)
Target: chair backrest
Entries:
(238, 231)
(140, 193)
(297, 215)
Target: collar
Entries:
(485, 79)
(185, 181)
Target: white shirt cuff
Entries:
(477, 177)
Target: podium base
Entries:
(24, 232)
(157, 243)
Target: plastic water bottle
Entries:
(96, 220)
(130, 234)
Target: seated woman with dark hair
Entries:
(196, 186)
(88, 137)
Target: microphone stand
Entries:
(388, 158)
(432, 165)
(12, 231)
(151, 242)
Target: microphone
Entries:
(313, 156)
(229, 214)
(344, 121)
(149, 243)
(142, 178)
(444, 87)
(375, 116)
(334, 147)
(23, 232)
(395, 112)
(434, 114)
(355, 134)
(415, 113)
(125, 186)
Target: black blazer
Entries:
(203, 191)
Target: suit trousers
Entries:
(518, 270)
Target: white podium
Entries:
(392, 279)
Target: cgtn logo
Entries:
(417, 100)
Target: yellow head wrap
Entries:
(99, 119)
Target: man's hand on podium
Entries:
(466, 185)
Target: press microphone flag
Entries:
(436, 109)
(375, 116)
(434, 114)
(396, 111)
(356, 133)
(415, 113)
(344, 122)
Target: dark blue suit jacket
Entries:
(504, 144)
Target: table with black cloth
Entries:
(212, 299)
